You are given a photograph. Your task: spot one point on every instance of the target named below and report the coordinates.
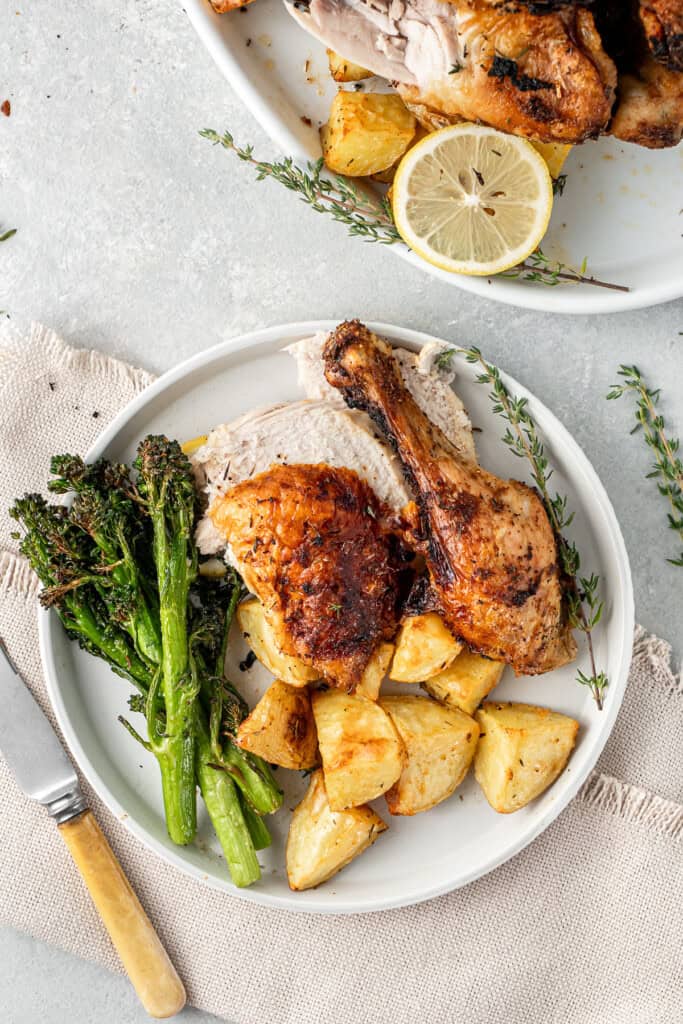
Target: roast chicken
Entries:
(552, 70)
(488, 544)
(541, 75)
(309, 541)
(645, 39)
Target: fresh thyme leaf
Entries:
(8, 234)
(558, 184)
(537, 267)
(370, 217)
(667, 469)
(363, 215)
(455, 68)
(581, 594)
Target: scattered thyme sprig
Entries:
(581, 592)
(667, 468)
(8, 234)
(370, 217)
(364, 216)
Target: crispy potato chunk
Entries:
(321, 841)
(360, 749)
(424, 647)
(225, 6)
(343, 70)
(375, 671)
(466, 681)
(522, 749)
(440, 743)
(281, 728)
(387, 177)
(366, 133)
(261, 635)
(554, 154)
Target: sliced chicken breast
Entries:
(298, 432)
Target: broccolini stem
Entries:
(222, 802)
(258, 830)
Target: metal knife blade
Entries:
(30, 746)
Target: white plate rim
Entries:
(583, 300)
(48, 623)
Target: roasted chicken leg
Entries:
(308, 540)
(489, 547)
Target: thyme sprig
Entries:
(8, 234)
(584, 606)
(363, 215)
(667, 468)
(369, 216)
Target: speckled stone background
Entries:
(137, 237)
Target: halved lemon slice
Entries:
(472, 200)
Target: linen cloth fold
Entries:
(582, 927)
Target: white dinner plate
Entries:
(418, 857)
(621, 209)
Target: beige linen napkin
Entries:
(582, 927)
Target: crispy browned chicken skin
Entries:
(489, 547)
(309, 542)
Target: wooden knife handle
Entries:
(146, 961)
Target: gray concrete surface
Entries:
(135, 236)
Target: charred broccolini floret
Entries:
(119, 567)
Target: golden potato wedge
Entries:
(440, 743)
(281, 728)
(387, 177)
(321, 841)
(261, 635)
(424, 647)
(522, 749)
(361, 753)
(554, 154)
(466, 681)
(224, 6)
(194, 444)
(375, 671)
(366, 133)
(343, 70)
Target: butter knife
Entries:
(44, 772)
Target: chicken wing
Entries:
(308, 540)
(540, 75)
(662, 22)
(488, 544)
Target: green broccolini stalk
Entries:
(236, 786)
(166, 486)
(121, 574)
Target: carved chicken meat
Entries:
(488, 544)
(534, 68)
(309, 541)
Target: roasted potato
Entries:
(343, 70)
(224, 6)
(261, 635)
(440, 743)
(554, 154)
(366, 133)
(466, 681)
(387, 177)
(361, 753)
(322, 841)
(375, 671)
(522, 749)
(424, 647)
(281, 728)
